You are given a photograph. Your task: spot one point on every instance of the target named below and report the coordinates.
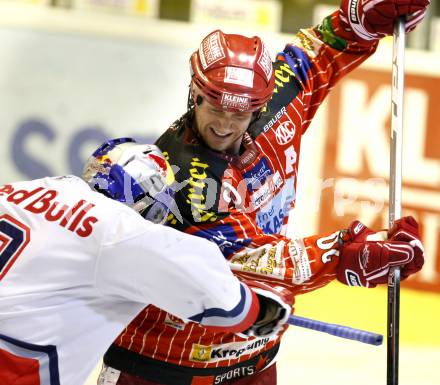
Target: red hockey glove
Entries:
(274, 309)
(406, 229)
(374, 19)
(365, 256)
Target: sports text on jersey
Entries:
(274, 119)
(43, 202)
(239, 372)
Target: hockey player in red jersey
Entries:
(76, 267)
(237, 150)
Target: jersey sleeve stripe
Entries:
(239, 318)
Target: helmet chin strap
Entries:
(191, 103)
(249, 154)
(190, 100)
(256, 116)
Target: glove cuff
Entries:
(274, 310)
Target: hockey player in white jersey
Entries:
(76, 267)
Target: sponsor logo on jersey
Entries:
(225, 237)
(298, 253)
(262, 195)
(197, 190)
(327, 243)
(285, 132)
(174, 322)
(200, 353)
(264, 260)
(271, 216)
(229, 194)
(224, 352)
(274, 118)
(234, 101)
(304, 40)
(210, 50)
(271, 220)
(41, 201)
(257, 176)
(284, 91)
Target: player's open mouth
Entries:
(220, 134)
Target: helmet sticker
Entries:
(237, 102)
(265, 62)
(240, 76)
(137, 175)
(211, 50)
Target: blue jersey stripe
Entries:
(47, 356)
(222, 317)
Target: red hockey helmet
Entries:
(234, 72)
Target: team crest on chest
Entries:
(285, 132)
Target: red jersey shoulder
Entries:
(287, 88)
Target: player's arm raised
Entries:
(322, 55)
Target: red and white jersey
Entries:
(242, 204)
(76, 267)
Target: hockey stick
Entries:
(395, 196)
(337, 330)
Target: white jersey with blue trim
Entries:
(76, 267)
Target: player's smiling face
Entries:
(221, 130)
